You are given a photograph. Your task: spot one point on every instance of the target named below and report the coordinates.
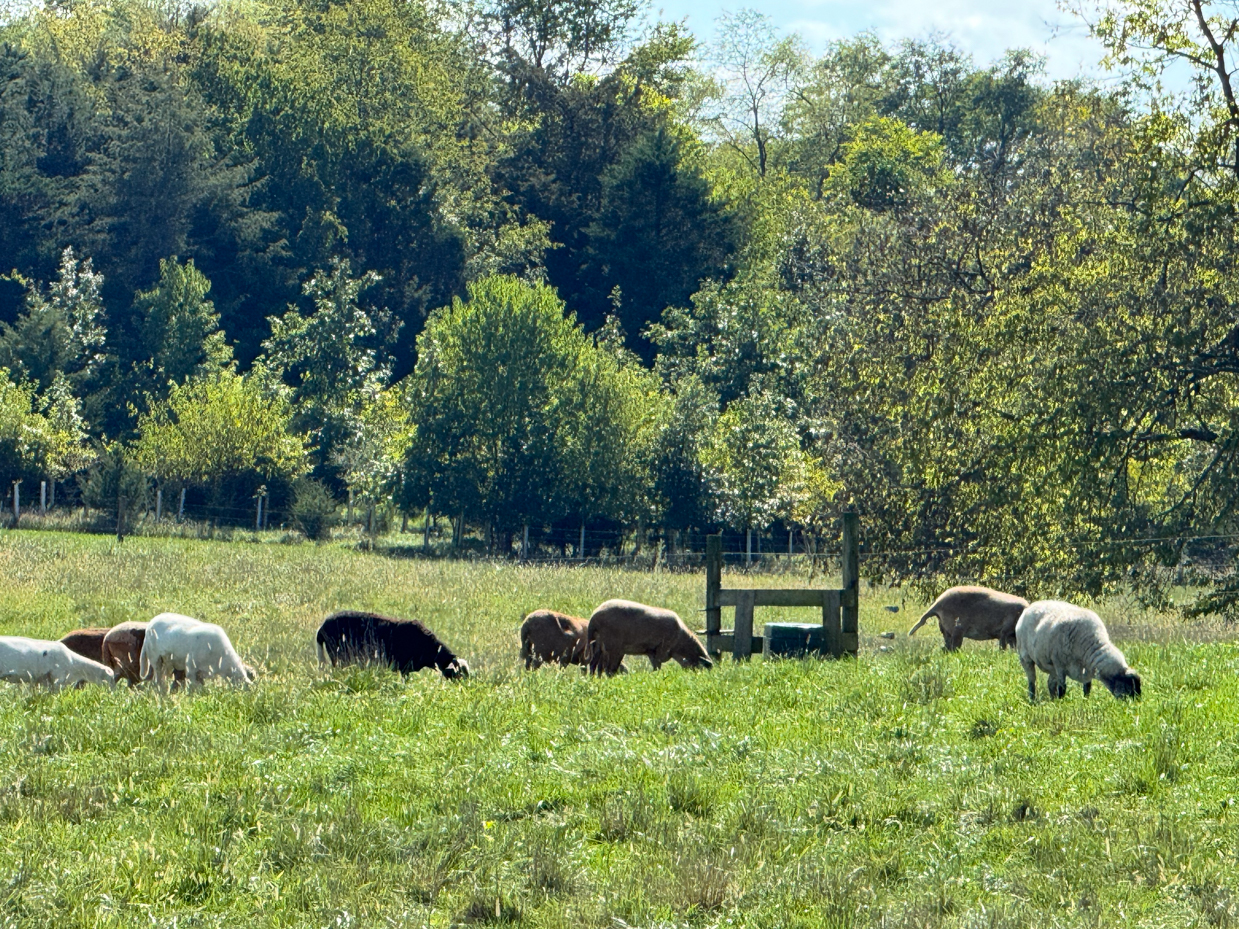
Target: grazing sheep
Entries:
(1065, 641)
(405, 645)
(87, 642)
(621, 627)
(39, 661)
(122, 650)
(199, 650)
(550, 636)
(974, 613)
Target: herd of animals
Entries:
(1061, 639)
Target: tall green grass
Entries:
(908, 788)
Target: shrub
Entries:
(314, 509)
(114, 477)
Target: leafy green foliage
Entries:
(61, 331)
(116, 485)
(179, 326)
(221, 429)
(36, 443)
(518, 417)
(314, 510)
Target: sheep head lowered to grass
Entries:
(1065, 640)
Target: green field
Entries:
(909, 788)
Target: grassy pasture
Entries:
(909, 788)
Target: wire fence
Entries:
(778, 550)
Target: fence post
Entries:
(850, 605)
(581, 549)
(52, 504)
(43, 496)
(742, 639)
(791, 534)
(17, 502)
(714, 581)
(158, 503)
(258, 518)
(120, 519)
(426, 531)
(180, 513)
(349, 520)
(748, 547)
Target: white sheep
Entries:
(39, 661)
(181, 643)
(1065, 640)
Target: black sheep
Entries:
(405, 644)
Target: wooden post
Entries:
(404, 523)
(180, 513)
(52, 502)
(580, 552)
(742, 644)
(851, 580)
(158, 503)
(748, 547)
(17, 501)
(349, 519)
(426, 531)
(791, 535)
(43, 496)
(832, 635)
(525, 543)
(714, 581)
(120, 519)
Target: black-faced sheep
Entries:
(974, 613)
(405, 645)
(621, 627)
(1068, 641)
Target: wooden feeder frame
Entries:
(840, 608)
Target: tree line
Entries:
(551, 264)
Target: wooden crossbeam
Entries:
(840, 613)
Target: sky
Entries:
(984, 28)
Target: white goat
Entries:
(1067, 641)
(181, 643)
(39, 661)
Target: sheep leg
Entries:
(1030, 668)
(656, 660)
(613, 664)
(1088, 685)
(957, 639)
(1056, 684)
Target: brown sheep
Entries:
(87, 642)
(974, 613)
(122, 649)
(621, 627)
(550, 636)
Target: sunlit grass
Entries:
(909, 788)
